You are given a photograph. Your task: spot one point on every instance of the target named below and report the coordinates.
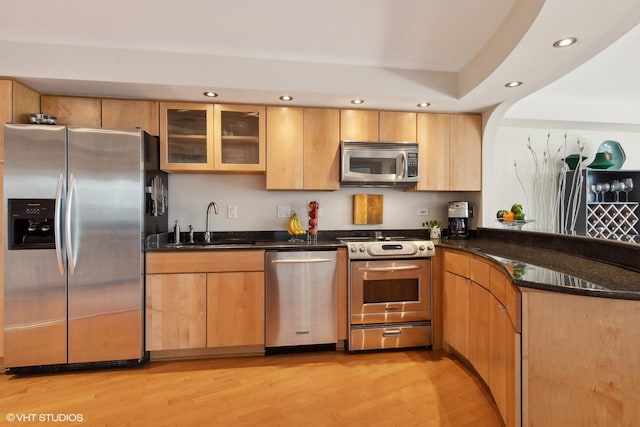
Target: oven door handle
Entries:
(391, 269)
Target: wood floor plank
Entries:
(407, 388)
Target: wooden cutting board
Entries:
(367, 208)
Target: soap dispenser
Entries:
(176, 232)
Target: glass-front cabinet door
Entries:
(239, 138)
(186, 137)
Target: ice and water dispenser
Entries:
(31, 223)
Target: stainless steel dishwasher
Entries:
(301, 298)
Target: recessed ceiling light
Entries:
(513, 84)
(565, 42)
(286, 98)
(357, 101)
(210, 94)
(424, 104)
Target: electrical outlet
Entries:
(232, 211)
(423, 212)
(284, 211)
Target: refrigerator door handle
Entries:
(56, 226)
(67, 222)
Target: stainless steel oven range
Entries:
(389, 293)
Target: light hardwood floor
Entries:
(392, 388)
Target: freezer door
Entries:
(35, 329)
(104, 244)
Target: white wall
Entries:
(500, 185)
(189, 195)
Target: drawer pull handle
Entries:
(391, 333)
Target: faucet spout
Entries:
(207, 233)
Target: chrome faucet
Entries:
(207, 233)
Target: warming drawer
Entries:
(370, 337)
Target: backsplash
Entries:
(257, 208)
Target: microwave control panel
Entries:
(412, 165)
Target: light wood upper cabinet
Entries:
(321, 149)
(129, 114)
(465, 154)
(186, 137)
(235, 309)
(17, 102)
(359, 125)
(303, 148)
(285, 152)
(239, 138)
(433, 161)
(73, 111)
(450, 152)
(176, 311)
(398, 126)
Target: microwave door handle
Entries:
(404, 166)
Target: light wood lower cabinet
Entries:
(197, 300)
(455, 312)
(176, 311)
(580, 360)
(235, 309)
(483, 326)
(479, 332)
(504, 361)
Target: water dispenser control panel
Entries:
(31, 223)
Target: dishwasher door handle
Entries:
(300, 261)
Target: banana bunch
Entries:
(294, 227)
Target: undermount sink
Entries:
(212, 244)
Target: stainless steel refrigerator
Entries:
(78, 203)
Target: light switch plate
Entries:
(284, 211)
(232, 211)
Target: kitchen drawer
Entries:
(499, 283)
(456, 263)
(390, 336)
(479, 271)
(205, 261)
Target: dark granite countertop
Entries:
(554, 270)
(551, 262)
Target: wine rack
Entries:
(601, 211)
(616, 221)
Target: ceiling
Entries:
(457, 54)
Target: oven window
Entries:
(393, 290)
(373, 166)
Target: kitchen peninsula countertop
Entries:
(557, 265)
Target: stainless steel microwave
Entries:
(379, 164)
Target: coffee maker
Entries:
(459, 215)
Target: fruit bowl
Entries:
(514, 224)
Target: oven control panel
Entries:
(391, 249)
